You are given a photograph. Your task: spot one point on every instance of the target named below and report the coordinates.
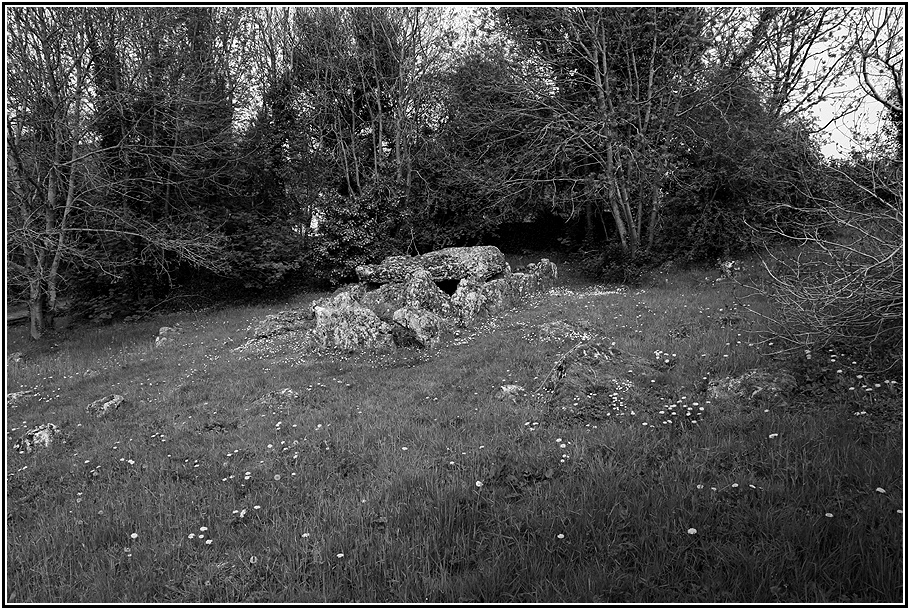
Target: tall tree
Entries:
(617, 80)
(69, 194)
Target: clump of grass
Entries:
(404, 478)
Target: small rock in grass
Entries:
(166, 334)
(284, 398)
(40, 437)
(105, 406)
(13, 397)
(510, 392)
(752, 384)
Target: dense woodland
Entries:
(153, 150)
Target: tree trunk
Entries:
(612, 196)
(652, 221)
(589, 221)
(36, 308)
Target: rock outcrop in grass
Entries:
(594, 380)
(412, 300)
(105, 406)
(752, 385)
(40, 437)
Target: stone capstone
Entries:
(105, 406)
(479, 262)
(40, 437)
(412, 300)
(391, 269)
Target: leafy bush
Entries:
(357, 229)
(262, 252)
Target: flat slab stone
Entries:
(479, 262)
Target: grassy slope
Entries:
(367, 490)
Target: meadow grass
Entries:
(405, 478)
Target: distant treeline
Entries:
(243, 148)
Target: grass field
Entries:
(405, 478)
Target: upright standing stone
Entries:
(421, 292)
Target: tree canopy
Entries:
(152, 147)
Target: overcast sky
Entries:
(867, 119)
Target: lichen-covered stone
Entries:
(13, 398)
(40, 437)
(429, 328)
(105, 406)
(545, 271)
(511, 392)
(391, 269)
(525, 283)
(479, 262)
(284, 322)
(499, 295)
(399, 301)
(166, 335)
(468, 301)
(350, 328)
(421, 292)
(504, 274)
(343, 297)
(385, 300)
(404, 337)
